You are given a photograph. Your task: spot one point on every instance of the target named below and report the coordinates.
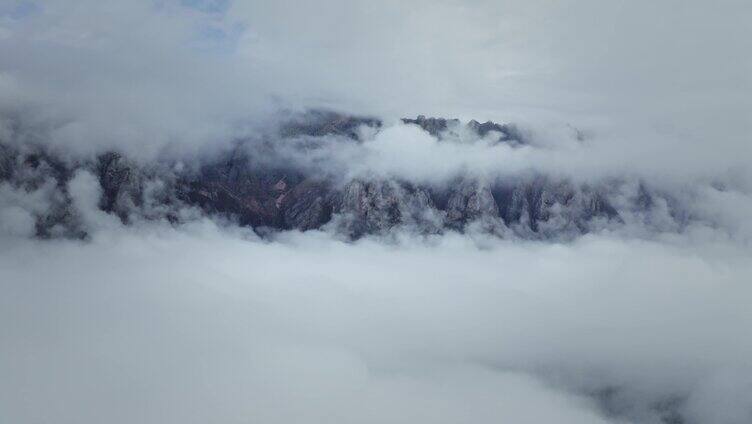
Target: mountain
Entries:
(270, 183)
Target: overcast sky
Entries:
(663, 82)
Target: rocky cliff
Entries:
(253, 184)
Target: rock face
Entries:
(36, 181)
(318, 123)
(307, 206)
(252, 192)
(434, 126)
(469, 201)
(378, 206)
(438, 127)
(122, 185)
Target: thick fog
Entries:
(660, 83)
(192, 318)
(153, 324)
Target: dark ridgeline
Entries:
(241, 184)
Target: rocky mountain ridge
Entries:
(241, 185)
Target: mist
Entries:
(199, 72)
(206, 323)
(227, 211)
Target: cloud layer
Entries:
(159, 325)
(198, 72)
(206, 322)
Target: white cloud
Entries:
(16, 221)
(149, 323)
(164, 325)
(18, 208)
(654, 96)
(86, 193)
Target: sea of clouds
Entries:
(151, 323)
(208, 322)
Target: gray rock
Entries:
(307, 206)
(470, 200)
(277, 195)
(122, 185)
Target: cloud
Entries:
(166, 325)
(16, 221)
(206, 322)
(84, 78)
(86, 192)
(653, 95)
(19, 207)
